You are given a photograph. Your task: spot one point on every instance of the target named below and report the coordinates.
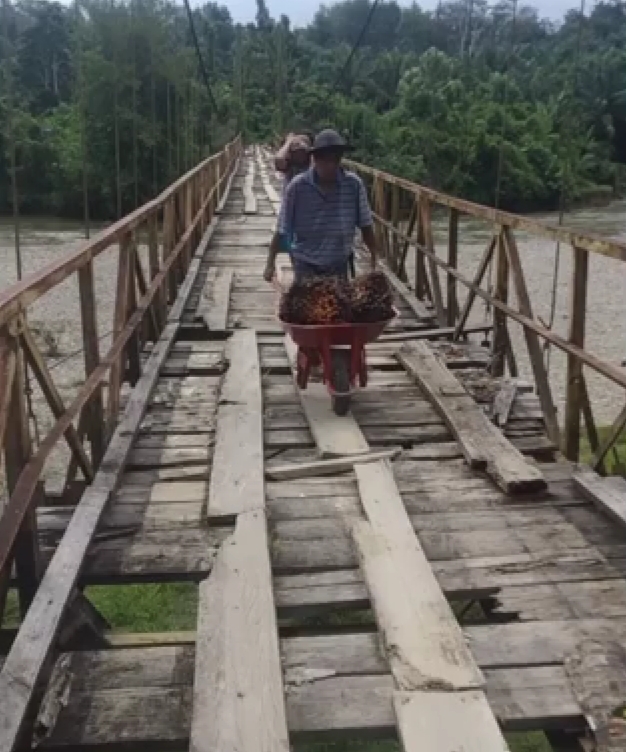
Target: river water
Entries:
(56, 315)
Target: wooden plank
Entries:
(7, 373)
(250, 202)
(335, 436)
(154, 713)
(608, 494)
(482, 443)
(237, 476)
(429, 241)
(503, 403)
(238, 701)
(447, 722)
(500, 341)
(89, 322)
(215, 299)
(177, 310)
(326, 467)
(453, 260)
(26, 660)
(423, 641)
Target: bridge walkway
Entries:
(404, 586)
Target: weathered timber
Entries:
(334, 436)
(609, 494)
(238, 701)
(151, 711)
(249, 197)
(214, 299)
(590, 242)
(503, 403)
(447, 722)
(424, 644)
(176, 312)
(326, 467)
(483, 444)
(237, 477)
(35, 640)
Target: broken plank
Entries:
(238, 691)
(237, 477)
(447, 722)
(424, 643)
(335, 436)
(326, 467)
(215, 298)
(503, 403)
(609, 494)
(32, 646)
(483, 445)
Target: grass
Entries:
(615, 460)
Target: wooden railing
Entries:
(404, 223)
(171, 226)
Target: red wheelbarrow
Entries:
(340, 348)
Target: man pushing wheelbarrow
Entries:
(321, 210)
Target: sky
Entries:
(302, 11)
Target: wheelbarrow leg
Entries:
(341, 394)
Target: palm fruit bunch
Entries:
(371, 298)
(322, 300)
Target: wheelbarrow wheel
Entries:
(341, 381)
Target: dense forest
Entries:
(107, 100)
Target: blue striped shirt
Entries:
(321, 224)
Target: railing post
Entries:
(578, 312)
(532, 339)
(119, 320)
(134, 345)
(89, 318)
(500, 341)
(18, 450)
(160, 301)
(395, 220)
(7, 374)
(426, 225)
(168, 246)
(453, 261)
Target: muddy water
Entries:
(56, 315)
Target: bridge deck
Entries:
(544, 570)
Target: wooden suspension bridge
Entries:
(432, 567)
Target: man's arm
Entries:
(283, 230)
(270, 266)
(370, 241)
(365, 222)
(281, 158)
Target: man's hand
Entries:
(270, 271)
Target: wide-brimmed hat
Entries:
(329, 140)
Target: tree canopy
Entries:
(492, 103)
